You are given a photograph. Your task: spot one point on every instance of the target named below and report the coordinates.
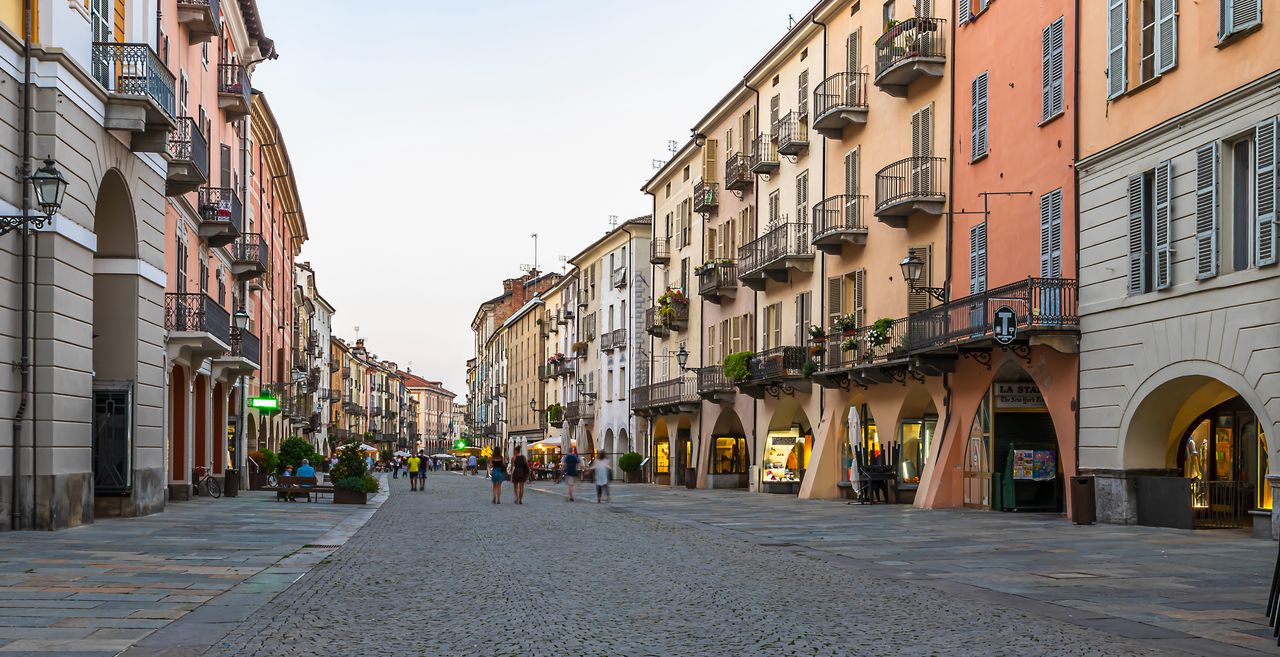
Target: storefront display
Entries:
(785, 456)
(915, 435)
(662, 457)
(730, 455)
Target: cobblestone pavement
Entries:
(447, 573)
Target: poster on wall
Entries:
(1018, 395)
(1035, 464)
(1022, 459)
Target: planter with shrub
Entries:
(629, 463)
(352, 482)
(737, 366)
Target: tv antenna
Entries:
(357, 332)
(613, 221)
(564, 262)
(673, 146)
(658, 164)
(791, 21)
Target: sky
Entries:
(431, 138)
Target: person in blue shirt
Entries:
(305, 471)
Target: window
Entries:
(729, 455)
(1050, 236)
(1236, 16)
(686, 173)
(775, 207)
(1052, 70)
(622, 383)
(775, 104)
(978, 109)
(888, 13)
(804, 303)
(978, 259)
(772, 335)
(1150, 254)
(204, 273)
(182, 265)
(684, 275)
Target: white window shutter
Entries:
(1238, 15)
(1207, 211)
(1117, 28)
(979, 109)
(1166, 35)
(962, 11)
(1163, 224)
(1137, 235)
(1264, 193)
(860, 297)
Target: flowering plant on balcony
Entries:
(848, 344)
(668, 302)
(846, 324)
(817, 333)
(556, 359)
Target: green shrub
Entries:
(268, 462)
(363, 484)
(735, 366)
(350, 464)
(294, 450)
(630, 462)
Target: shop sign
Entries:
(1018, 395)
(1004, 325)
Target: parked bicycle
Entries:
(207, 484)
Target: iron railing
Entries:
(788, 240)
(196, 312)
(245, 344)
(737, 172)
(706, 196)
(659, 250)
(580, 410)
(764, 155)
(777, 363)
(717, 276)
(234, 79)
(134, 69)
(212, 5)
(221, 204)
(918, 36)
(911, 178)
(658, 323)
(187, 142)
(839, 213)
(1037, 303)
(682, 390)
(840, 91)
(615, 339)
(711, 380)
(1220, 504)
(792, 134)
(250, 248)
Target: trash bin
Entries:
(231, 483)
(1083, 507)
(690, 478)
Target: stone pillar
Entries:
(1116, 495)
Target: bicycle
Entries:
(208, 483)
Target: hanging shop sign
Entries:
(264, 403)
(1004, 325)
(1018, 395)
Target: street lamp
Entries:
(241, 319)
(49, 187)
(682, 357)
(913, 271)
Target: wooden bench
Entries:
(294, 486)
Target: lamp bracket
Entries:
(12, 222)
(938, 293)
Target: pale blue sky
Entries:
(431, 138)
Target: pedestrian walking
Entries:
(519, 474)
(499, 476)
(395, 468)
(570, 464)
(424, 464)
(415, 464)
(601, 469)
(471, 464)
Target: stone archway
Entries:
(785, 448)
(728, 452)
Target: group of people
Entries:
(570, 468)
(425, 464)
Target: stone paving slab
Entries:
(1136, 582)
(99, 589)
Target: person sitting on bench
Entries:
(305, 470)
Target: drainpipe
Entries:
(755, 296)
(24, 364)
(242, 424)
(631, 253)
(822, 195)
(1075, 157)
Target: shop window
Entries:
(662, 457)
(784, 457)
(730, 455)
(915, 436)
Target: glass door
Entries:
(977, 458)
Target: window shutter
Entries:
(835, 300)
(774, 104)
(962, 11)
(802, 196)
(979, 109)
(802, 94)
(1163, 240)
(860, 297)
(1137, 235)
(922, 132)
(1117, 27)
(978, 259)
(1052, 62)
(709, 154)
(851, 173)
(1265, 193)
(1051, 234)
(803, 301)
(919, 301)
(1166, 35)
(1239, 15)
(1059, 66)
(1207, 211)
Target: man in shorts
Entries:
(424, 464)
(415, 464)
(570, 464)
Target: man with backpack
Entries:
(570, 464)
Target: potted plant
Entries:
(809, 367)
(736, 366)
(817, 333)
(629, 463)
(580, 348)
(555, 415)
(352, 482)
(878, 334)
(848, 344)
(267, 462)
(668, 303)
(846, 324)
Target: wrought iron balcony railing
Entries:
(666, 395)
(580, 410)
(718, 279)
(840, 101)
(764, 155)
(246, 345)
(773, 250)
(915, 184)
(249, 256)
(658, 324)
(1039, 305)
(706, 196)
(737, 172)
(236, 94)
(196, 312)
(837, 220)
(792, 133)
(202, 18)
(911, 49)
(659, 250)
(776, 364)
(221, 205)
(134, 69)
(187, 144)
(712, 382)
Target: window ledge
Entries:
(980, 157)
(1144, 86)
(1236, 36)
(1053, 118)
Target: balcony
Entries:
(906, 187)
(737, 173)
(718, 280)
(615, 339)
(249, 257)
(775, 255)
(660, 250)
(713, 386)
(792, 133)
(838, 221)
(221, 215)
(660, 323)
(706, 197)
(235, 95)
(244, 358)
(764, 155)
(201, 17)
(375, 412)
(198, 326)
(188, 158)
(140, 95)
(580, 410)
(666, 397)
(908, 51)
(775, 372)
(839, 102)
